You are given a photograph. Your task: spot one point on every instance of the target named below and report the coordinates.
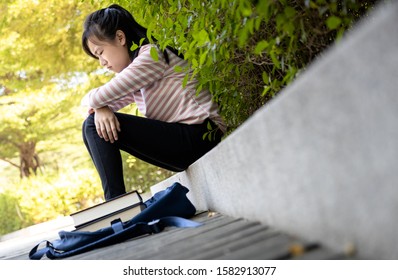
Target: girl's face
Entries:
(111, 54)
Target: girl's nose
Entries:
(103, 62)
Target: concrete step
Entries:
(219, 237)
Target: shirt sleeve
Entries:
(122, 102)
(142, 72)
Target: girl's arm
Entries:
(115, 106)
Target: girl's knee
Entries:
(89, 120)
(88, 124)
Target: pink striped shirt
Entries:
(157, 90)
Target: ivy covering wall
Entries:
(245, 51)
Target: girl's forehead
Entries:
(94, 41)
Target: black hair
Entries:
(104, 23)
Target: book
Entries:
(128, 201)
(106, 221)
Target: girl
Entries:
(171, 133)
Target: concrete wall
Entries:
(321, 160)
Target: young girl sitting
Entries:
(176, 118)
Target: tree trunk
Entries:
(29, 160)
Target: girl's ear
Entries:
(121, 37)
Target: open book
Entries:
(123, 207)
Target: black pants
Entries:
(172, 146)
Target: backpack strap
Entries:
(85, 241)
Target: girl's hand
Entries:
(90, 111)
(107, 124)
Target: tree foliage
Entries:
(26, 125)
(40, 41)
(41, 56)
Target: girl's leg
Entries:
(173, 146)
(107, 160)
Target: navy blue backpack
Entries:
(167, 208)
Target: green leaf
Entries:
(260, 46)
(265, 90)
(290, 12)
(199, 89)
(134, 47)
(333, 22)
(149, 34)
(275, 60)
(263, 8)
(185, 81)
(201, 38)
(246, 11)
(289, 28)
(265, 77)
(194, 63)
(243, 36)
(154, 54)
(177, 68)
(202, 58)
(209, 126)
